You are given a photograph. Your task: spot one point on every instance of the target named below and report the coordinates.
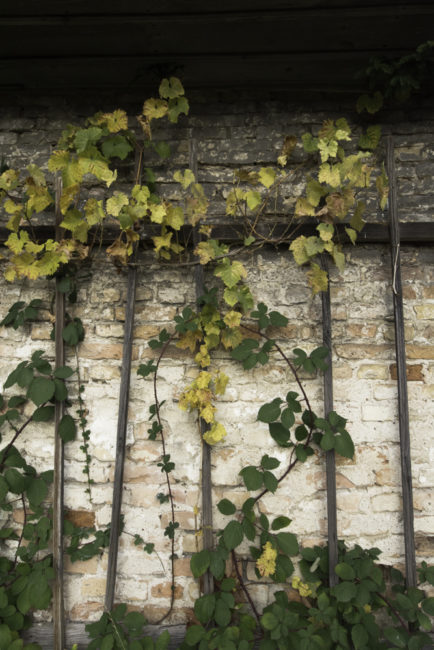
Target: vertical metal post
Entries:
(121, 436)
(58, 505)
(404, 423)
(332, 534)
(207, 527)
(115, 528)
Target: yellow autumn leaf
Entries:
(189, 340)
(94, 211)
(207, 413)
(116, 121)
(234, 199)
(215, 434)
(68, 196)
(205, 251)
(185, 179)
(58, 160)
(174, 217)
(220, 382)
(158, 212)
(267, 176)
(231, 337)
(161, 242)
(303, 208)
(203, 380)
(329, 174)
(232, 318)
(115, 203)
(154, 109)
(317, 279)
(326, 231)
(202, 358)
(297, 247)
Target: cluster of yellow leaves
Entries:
(171, 103)
(199, 396)
(266, 563)
(31, 260)
(302, 587)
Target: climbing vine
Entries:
(337, 174)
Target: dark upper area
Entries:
(299, 45)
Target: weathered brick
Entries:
(104, 351)
(373, 371)
(425, 311)
(164, 590)
(363, 351)
(81, 517)
(420, 351)
(414, 372)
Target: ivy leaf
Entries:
(280, 522)
(36, 491)
(344, 446)
(204, 607)
(116, 146)
(287, 543)
(270, 481)
(199, 563)
(267, 176)
(270, 412)
(268, 462)
(317, 279)
(63, 372)
(226, 507)
(230, 272)
(41, 390)
(344, 591)
(232, 535)
(67, 428)
(252, 477)
(279, 433)
(277, 320)
(43, 414)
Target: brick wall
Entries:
(365, 387)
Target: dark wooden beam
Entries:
(416, 233)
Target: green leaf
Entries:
(270, 412)
(279, 433)
(268, 462)
(280, 522)
(269, 621)
(270, 481)
(41, 390)
(344, 445)
(15, 401)
(287, 543)
(116, 146)
(344, 591)
(428, 606)
(288, 418)
(277, 320)
(232, 535)
(199, 563)
(43, 414)
(36, 491)
(63, 372)
(252, 477)
(5, 636)
(222, 614)
(194, 634)
(108, 642)
(345, 571)
(396, 637)
(16, 481)
(162, 149)
(67, 428)
(301, 453)
(60, 392)
(226, 507)
(359, 636)
(204, 607)
(134, 621)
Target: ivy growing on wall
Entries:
(338, 175)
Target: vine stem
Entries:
(243, 586)
(17, 433)
(169, 487)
